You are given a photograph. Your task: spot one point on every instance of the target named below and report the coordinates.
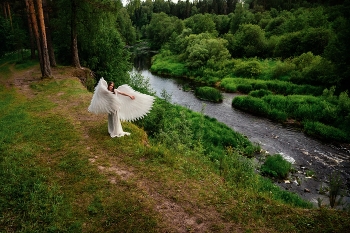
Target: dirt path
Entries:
(176, 216)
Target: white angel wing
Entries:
(131, 110)
(103, 101)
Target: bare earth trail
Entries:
(184, 216)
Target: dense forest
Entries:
(94, 33)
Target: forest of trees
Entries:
(68, 32)
(205, 34)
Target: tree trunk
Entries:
(48, 35)
(9, 14)
(45, 52)
(31, 11)
(74, 39)
(4, 8)
(31, 35)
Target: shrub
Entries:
(276, 166)
(209, 93)
(230, 87)
(244, 88)
(277, 115)
(250, 104)
(282, 69)
(260, 93)
(325, 132)
(248, 69)
(260, 86)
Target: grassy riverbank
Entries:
(60, 170)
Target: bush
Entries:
(260, 93)
(209, 93)
(276, 166)
(260, 86)
(248, 69)
(277, 115)
(325, 132)
(282, 69)
(250, 104)
(244, 88)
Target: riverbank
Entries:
(90, 182)
(308, 155)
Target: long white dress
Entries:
(119, 107)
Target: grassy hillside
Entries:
(61, 172)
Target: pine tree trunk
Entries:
(45, 52)
(9, 13)
(31, 11)
(74, 39)
(31, 35)
(48, 35)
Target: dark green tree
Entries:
(125, 27)
(161, 28)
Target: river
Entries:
(305, 153)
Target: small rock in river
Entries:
(306, 190)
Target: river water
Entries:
(305, 153)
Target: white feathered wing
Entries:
(104, 101)
(131, 110)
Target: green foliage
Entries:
(13, 34)
(125, 27)
(252, 105)
(260, 93)
(161, 27)
(201, 23)
(266, 185)
(241, 16)
(101, 46)
(209, 93)
(177, 126)
(336, 189)
(312, 40)
(168, 65)
(244, 88)
(322, 116)
(275, 86)
(313, 70)
(282, 69)
(247, 69)
(222, 23)
(325, 132)
(248, 41)
(276, 166)
(204, 50)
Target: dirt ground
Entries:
(174, 215)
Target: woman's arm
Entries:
(123, 93)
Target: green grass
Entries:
(48, 183)
(169, 66)
(276, 166)
(321, 118)
(209, 93)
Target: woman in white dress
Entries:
(121, 104)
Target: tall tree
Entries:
(33, 21)
(74, 36)
(45, 52)
(48, 34)
(31, 33)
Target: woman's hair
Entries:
(110, 83)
